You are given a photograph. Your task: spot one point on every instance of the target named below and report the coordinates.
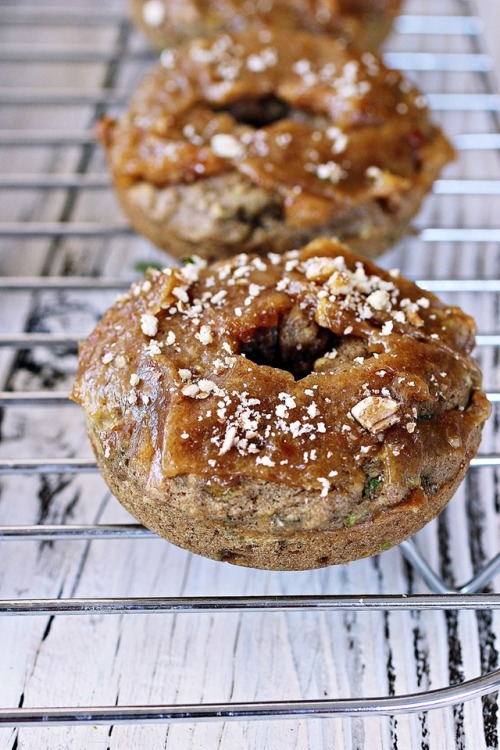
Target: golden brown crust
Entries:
(283, 412)
(248, 144)
(168, 23)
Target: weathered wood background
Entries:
(59, 70)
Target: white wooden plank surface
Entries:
(193, 658)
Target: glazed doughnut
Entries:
(260, 143)
(168, 23)
(282, 412)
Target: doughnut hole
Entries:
(294, 344)
(265, 110)
(259, 112)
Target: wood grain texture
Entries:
(191, 658)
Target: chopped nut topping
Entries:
(204, 335)
(288, 400)
(181, 294)
(265, 461)
(330, 171)
(226, 146)
(149, 324)
(321, 269)
(379, 299)
(325, 486)
(375, 413)
(120, 362)
(339, 139)
(190, 390)
(267, 58)
(338, 283)
(154, 348)
(207, 386)
(229, 439)
(153, 12)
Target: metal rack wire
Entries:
(52, 272)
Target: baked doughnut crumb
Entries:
(260, 143)
(284, 411)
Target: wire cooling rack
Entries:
(66, 252)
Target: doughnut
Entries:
(168, 23)
(285, 412)
(261, 143)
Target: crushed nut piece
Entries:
(376, 413)
(149, 324)
(153, 12)
(226, 146)
(379, 299)
(204, 335)
(320, 269)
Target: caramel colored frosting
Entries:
(301, 116)
(361, 21)
(314, 369)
